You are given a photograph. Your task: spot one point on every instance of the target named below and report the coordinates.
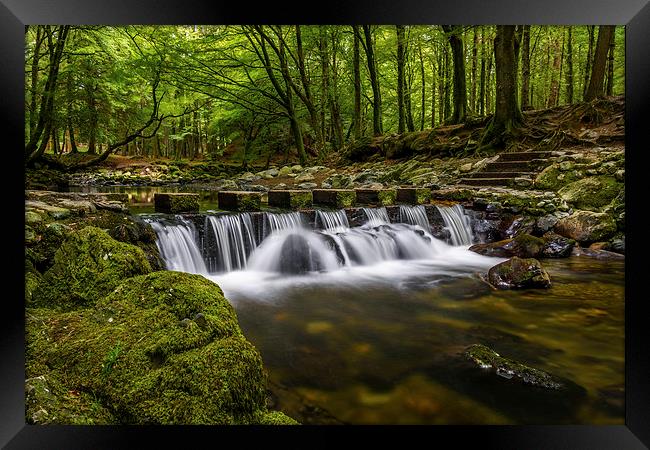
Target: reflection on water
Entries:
(141, 197)
(382, 345)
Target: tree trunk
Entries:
(590, 55)
(597, 78)
(483, 74)
(460, 89)
(507, 115)
(357, 84)
(423, 91)
(33, 115)
(447, 89)
(377, 127)
(610, 65)
(92, 130)
(308, 99)
(555, 76)
(400, 79)
(472, 101)
(525, 68)
(433, 93)
(410, 125)
(569, 67)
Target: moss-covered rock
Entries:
(591, 193)
(87, 266)
(513, 371)
(176, 203)
(554, 177)
(523, 245)
(163, 348)
(586, 226)
(518, 273)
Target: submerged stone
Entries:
(508, 369)
(518, 273)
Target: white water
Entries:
(177, 246)
(332, 220)
(458, 224)
(415, 215)
(232, 236)
(376, 216)
(276, 222)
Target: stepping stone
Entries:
(239, 200)
(487, 181)
(334, 198)
(290, 199)
(176, 203)
(522, 156)
(414, 196)
(380, 197)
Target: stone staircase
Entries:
(507, 169)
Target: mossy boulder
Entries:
(554, 177)
(519, 273)
(591, 193)
(162, 348)
(586, 226)
(523, 245)
(511, 370)
(87, 266)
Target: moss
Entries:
(345, 199)
(249, 201)
(274, 418)
(486, 358)
(553, 178)
(176, 203)
(422, 196)
(300, 199)
(87, 266)
(387, 197)
(591, 193)
(175, 351)
(519, 273)
(32, 280)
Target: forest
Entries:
(191, 91)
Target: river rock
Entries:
(586, 226)
(32, 217)
(132, 353)
(307, 185)
(597, 254)
(508, 369)
(304, 178)
(88, 265)
(284, 171)
(522, 245)
(296, 168)
(518, 273)
(556, 246)
(591, 193)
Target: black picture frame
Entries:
(15, 14)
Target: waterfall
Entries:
(286, 243)
(376, 217)
(230, 241)
(276, 222)
(415, 215)
(458, 224)
(177, 246)
(332, 220)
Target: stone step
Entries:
(413, 196)
(334, 198)
(510, 166)
(290, 199)
(522, 156)
(379, 197)
(486, 181)
(500, 174)
(176, 203)
(239, 200)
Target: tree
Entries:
(453, 33)
(356, 119)
(377, 127)
(525, 67)
(597, 79)
(569, 68)
(507, 116)
(400, 78)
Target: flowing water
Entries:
(177, 245)
(367, 324)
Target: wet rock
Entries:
(522, 245)
(591, 193)
(545, 223)
(597, 254)
(307, 185)
(518, 273)
(556, 246)
(511, 370)
(618, 245)
(586, 226)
